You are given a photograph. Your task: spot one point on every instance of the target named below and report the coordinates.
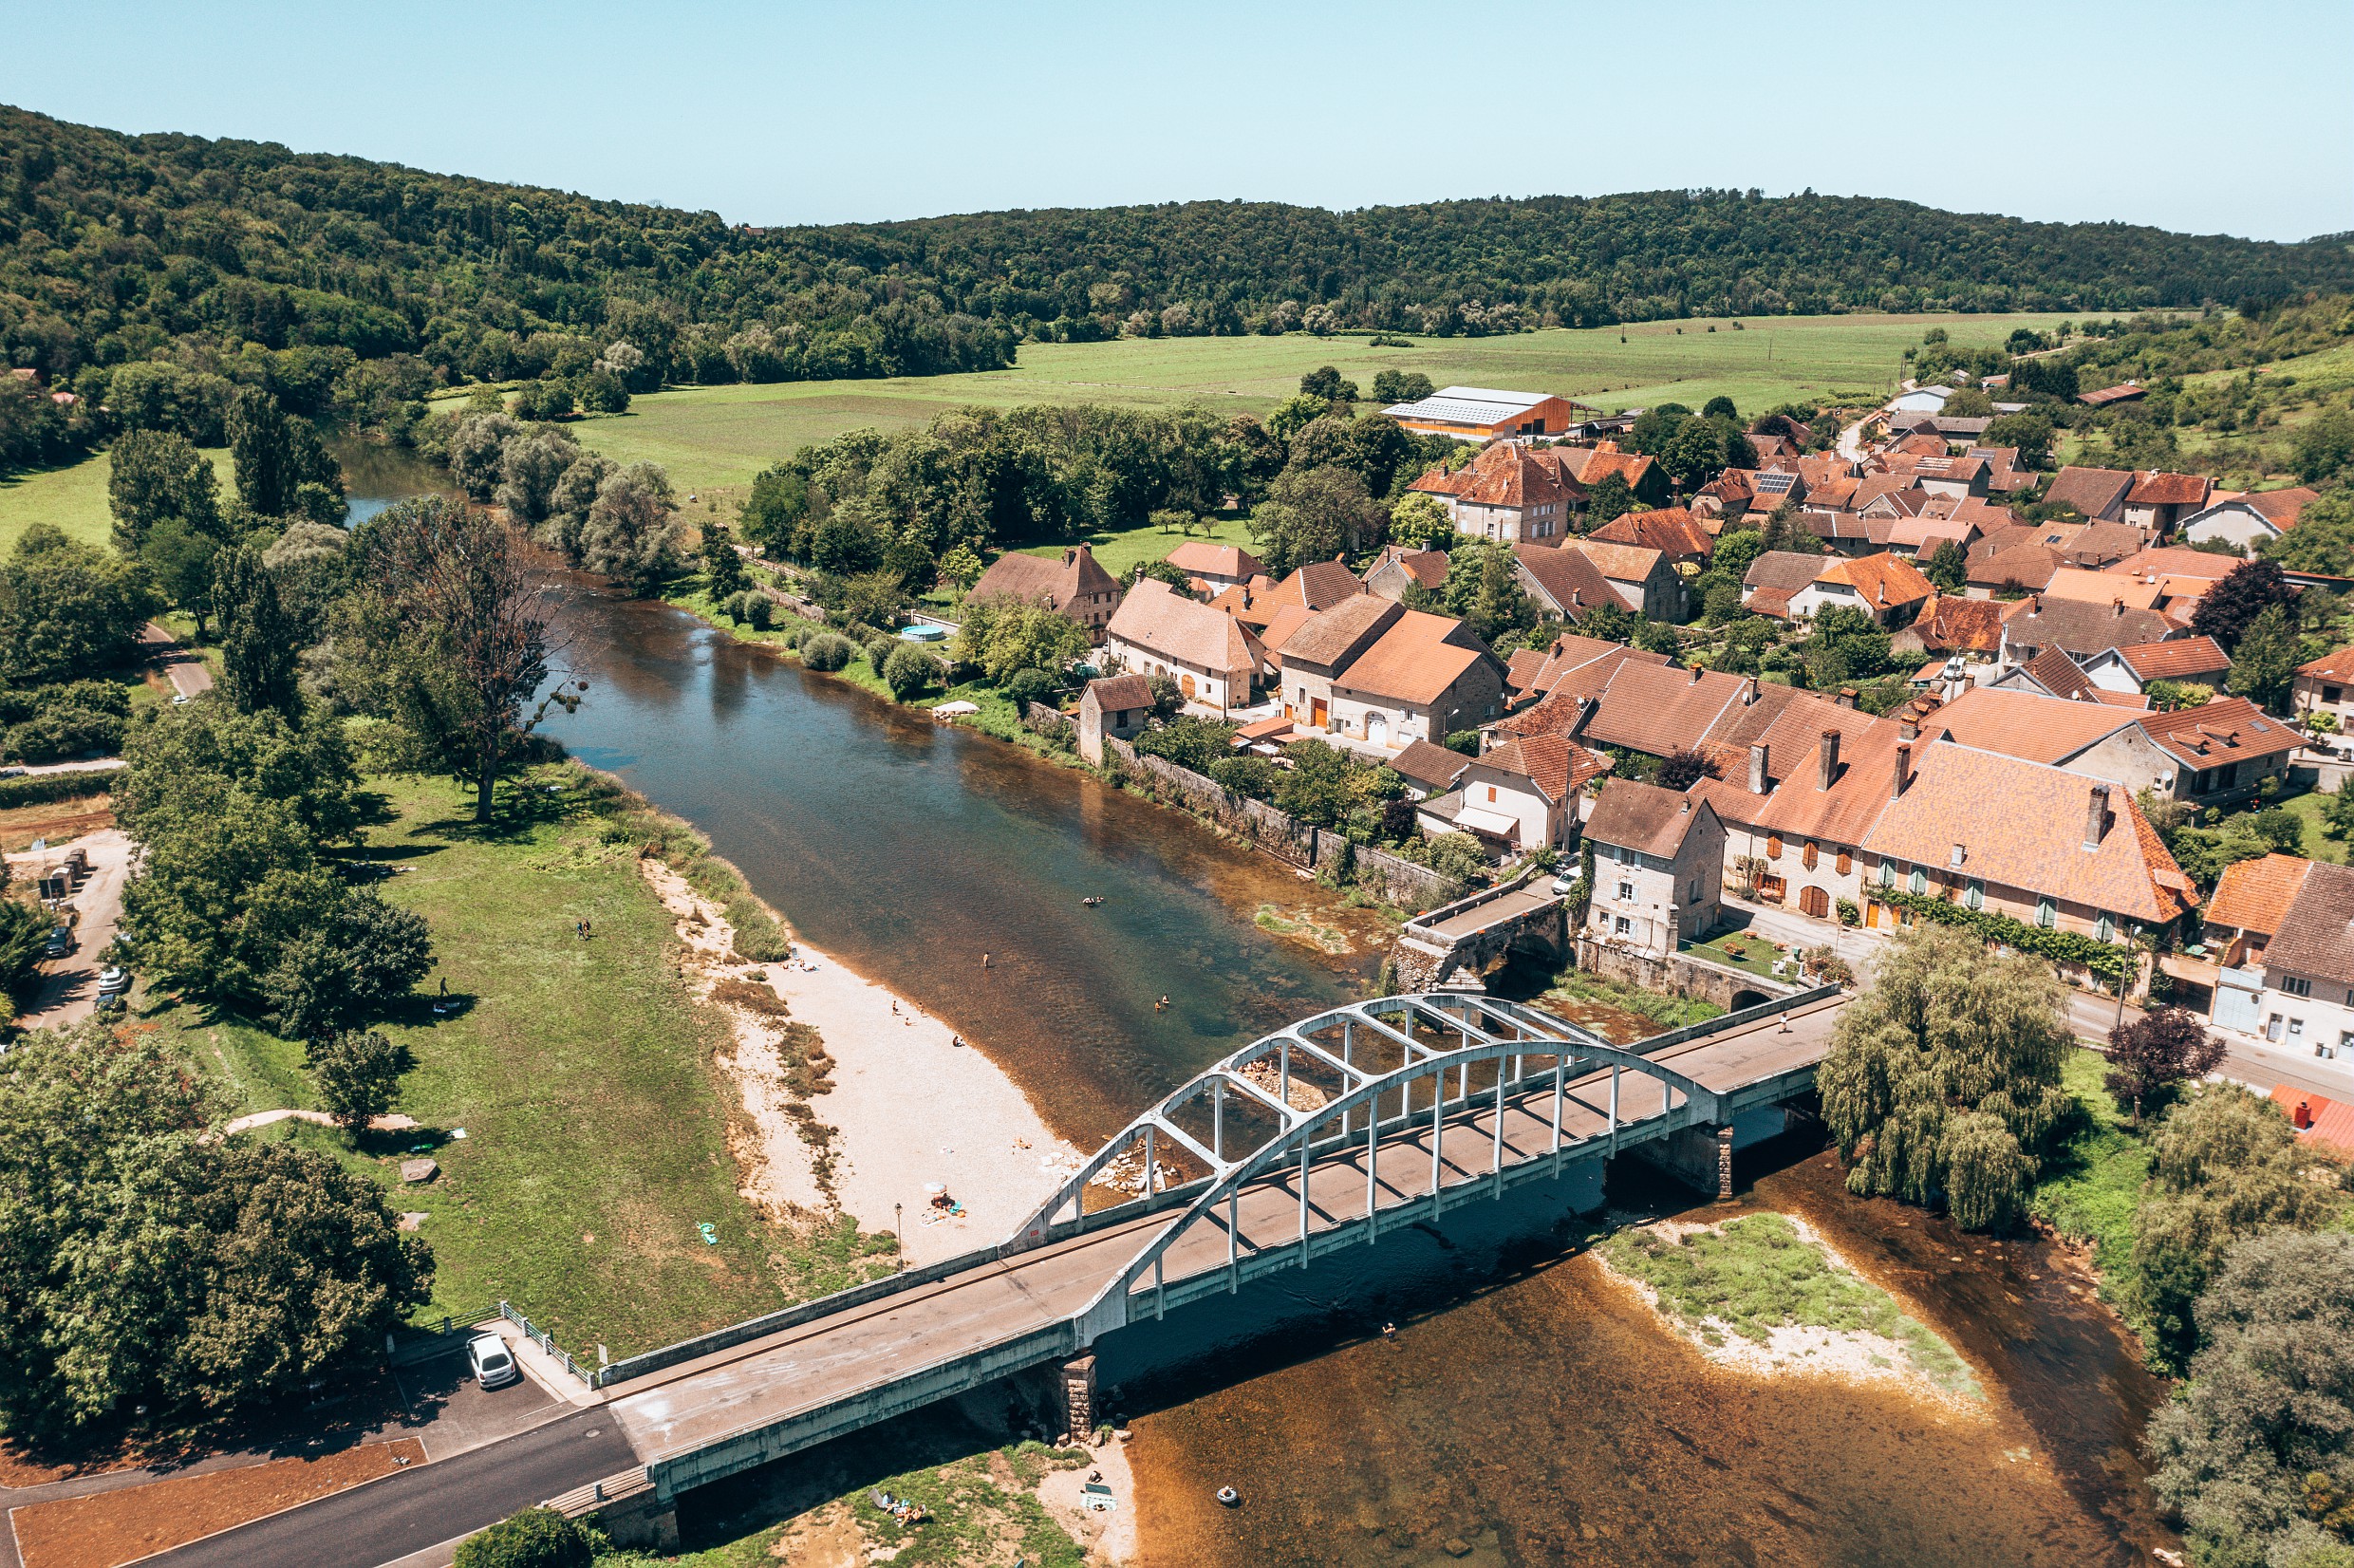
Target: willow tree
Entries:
(1943, 1080)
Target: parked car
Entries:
(13, 771)
(1561, 884)
(493, 1364)
(61, 943)
(113, 981)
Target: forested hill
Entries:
(116, 247)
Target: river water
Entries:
(1548, 1419)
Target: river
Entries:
(1546, 1419)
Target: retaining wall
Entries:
(1679, 975)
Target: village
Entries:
(2045, 715)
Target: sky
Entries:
(2211, 119)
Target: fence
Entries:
(546, 1341)
(1302, 844)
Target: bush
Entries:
(536, 1538)
(759, 610)
(1464, 741)
(879, 649)
(1252, 776)
(908, 669)
(828, 651)
(1025, 687)
(357, 1073)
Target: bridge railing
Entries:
(1431, 919)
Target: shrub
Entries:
(906, 669)
(759, 610)
(1025, 687)
(1251, 776)
(536, 1538)
(879, 649)
(357, 1073)
(827, 651)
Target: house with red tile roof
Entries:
(1424, 678)
(1673, 531)
(1566, 583)
(1775, 578)
(1215, 565)
(2318, 1119)
(2158, 499)
(2307, 1003)
(1578, 665)
(2173, 577)
(2247, 519)
(1211, 656)
(2222, 750)
(1519, 793)
(2250, 905)
(1954, 624)
(1072, 586)
(1888, 588)
(1587, 465)
(2096, 494)
(1998, 569)
(2083, 627)
(1642, 579)
(1315, 587)
(1507, 494)
(2327, 685)
(1658, 867)
(1898, 812)
(2197, 660)
(2053, 673)
(1396, 567)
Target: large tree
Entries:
(2226, 611)
(283, 468)
(451, 638)
(1943, 1080)
(153, 476)
(1316, 515)
(259, 645)
(631, 534)
(2149, 1057)
(2263, 666)
(2227, 1165)
(157, 1272)
(68, 608)
(2257, 1448)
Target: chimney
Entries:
(2303, 1117)
(2035, 604)
(1828, 755)
(2116, 607)
(1687, 803)
(2096, 816)
(1749, 691)
(1846, 697)
(1909, 730)
(1068, 556)
(1904, 772)
(1695, 675)
(1761, 778)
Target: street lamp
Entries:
(899, 1237)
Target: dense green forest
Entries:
(118, 248)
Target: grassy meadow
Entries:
(719, 437)
(596, 1128)
(73, 498)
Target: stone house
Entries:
(1116, 705)
(1659, 863)
(1073, 585)
(1210, 655)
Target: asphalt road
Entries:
(422, 1506)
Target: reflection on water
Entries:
(1554, 1421)
(910, 849)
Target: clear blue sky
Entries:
(2234, 118)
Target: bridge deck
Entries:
(805, 1367)
(1512, 906)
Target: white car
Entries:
(1561, 884)
(493, 1364)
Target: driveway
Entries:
(42, 770)
(69, 985)
(187, 672)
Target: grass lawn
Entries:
(1577, 985)
(2091, 1184)
(721, 436)
(1756, 1274)
(1757, 954)
(595, 1127)
(73, 498)
(2318, 844)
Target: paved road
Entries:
(804, 1368)
(422, 1506)
(186, 670)
(69, 985)
(96, 765)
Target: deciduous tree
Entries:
(153, 476)
(2148, 1058)
(631, 534)
(357, 1073)
(258, 642)
(2228, 609)
(2263, 666)
(1942, 1084)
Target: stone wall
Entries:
(1302, 844)
(1679, 975)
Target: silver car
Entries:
(493, 1364)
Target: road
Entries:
(1851, 438)
(186, 670)
(42, 770)
(69, 985)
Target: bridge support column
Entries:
(1724, 1163)
(1078, 1397)
(644, 1522)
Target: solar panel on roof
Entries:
(1468, 406)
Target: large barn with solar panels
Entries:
(1481, 414)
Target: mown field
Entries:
(721, 436)
(595, 1128)
(72, 498)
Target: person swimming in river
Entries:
(1160, 1006)
(1090, 902)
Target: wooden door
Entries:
(1815, 902)
(1185, 685)
(1320, 714)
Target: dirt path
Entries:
(69, 985)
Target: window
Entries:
(1492, 792)
(1888, 873)
(1691, 893)
(2047, 913)
(1808, 856)
(2296, 985)
(2296, 1027)
(1917, 882)
(1623, 925)
(1626, 891)
(2331, 694)
(1773, 845)
(1846, 862)
(1975, 896)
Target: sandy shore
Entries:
(907, 1110)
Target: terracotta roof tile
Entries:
(1950, 623)
(1202, 558)
(2226, 730)
(1569, 581)
(2331, 666)
(1670, 531)
(2183, 659)
(2317, 936)
(1880, 580)
(2328, 1122)
(1119, 692)
(2090, 490)
(1554, 764)
(1156, 617)
(1645, 817)
(2042, 621)
(1416, 659)
(1054, 580)
(2254, 895)
(1432, 768)
(1330, 637)
(2159, 488)
(2026, 724)
(1619, 562)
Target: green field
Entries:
(721, 436)
(595, 1127)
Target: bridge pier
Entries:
(1724, 1163)
(1078, 1397)
(642, 1523)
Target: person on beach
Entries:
(984, 961)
